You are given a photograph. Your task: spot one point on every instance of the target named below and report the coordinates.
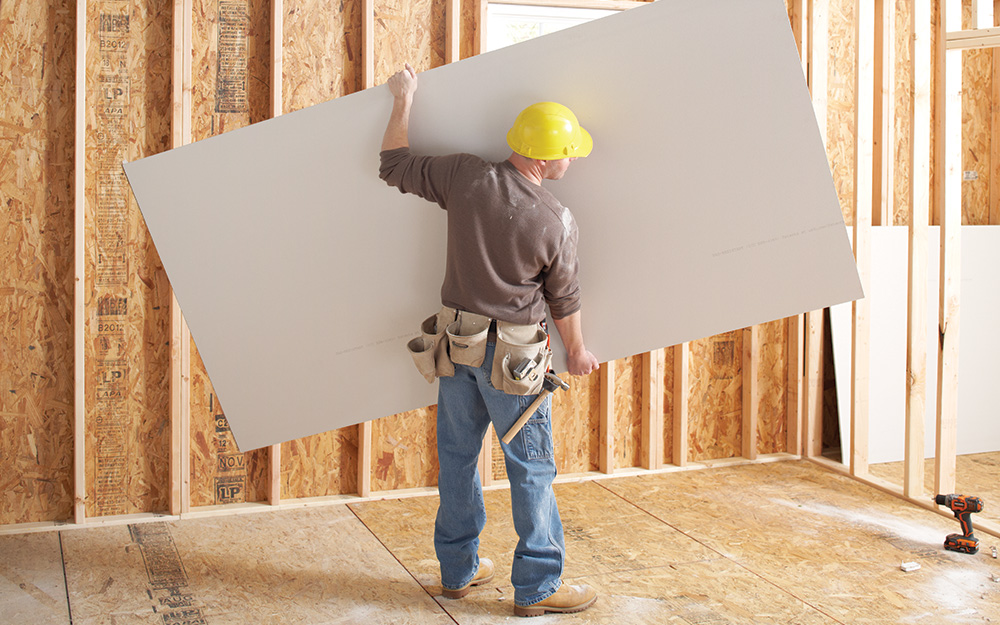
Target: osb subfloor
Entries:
(975, 474)
(785, 542)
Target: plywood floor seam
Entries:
(721, 555)
(785, 542)
(403, 566)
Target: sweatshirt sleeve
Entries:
(560, 280)
(428, 177)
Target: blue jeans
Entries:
(467, 403)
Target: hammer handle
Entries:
(514, 429)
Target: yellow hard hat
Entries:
(548, 131)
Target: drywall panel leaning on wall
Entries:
(979, 343)
(707, 205)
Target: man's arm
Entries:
(581, 361)
(402, 84)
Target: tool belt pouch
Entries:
(430, 349)
(467, 339)
(521, 360)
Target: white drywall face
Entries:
(707, 205)
(979, 343)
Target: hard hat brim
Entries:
(585, 147)
(581, 148)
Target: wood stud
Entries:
(79, 263)
(368, 81)
(606, 449)
(883, 163)
(916, 321)
(950, 278)
(682, 357)
(863, 154)
(181, 86)
(794, 396)
(652, 409)
(751, 354)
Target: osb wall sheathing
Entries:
(576, 415)
(232, 71)
(219, 473)
(715, 400)
(408, 31)
(321, 51)
(36, 277)
(404, 450)
(628, 412)
(321, 60)
(772, 385)
(127, 296)
(470, 26)
(840, 103)
(977, 83)
(902, 120)
(230, 89)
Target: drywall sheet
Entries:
(979, 343)
(707, 205)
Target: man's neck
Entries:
(529, 168)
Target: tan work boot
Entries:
(565, 600)
(482, 576)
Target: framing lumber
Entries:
(863, 184)
(181, 86)
(79, 268)
(277, 70)
(811, 434)
(812, 417)
(453, 31)
(950, 277)
(368, 43)
(367, 81)
(480, 38)
(995, 145)
(800, 30)
(818, 62)
(176, 407)
(884, 109)
(916, 315)
(682, 356)
(185, 425)
(793, 401)
(653, 365)
(751, 351)
(606, 449)
(971, 39)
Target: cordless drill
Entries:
(963, 507)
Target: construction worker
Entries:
(511, 252)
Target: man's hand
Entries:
(582, 363)
(403, 83)
(579, 358)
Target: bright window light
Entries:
(513, 23)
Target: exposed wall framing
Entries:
(137, 429)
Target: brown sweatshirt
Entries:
(511, 244)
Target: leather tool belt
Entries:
(453, 337)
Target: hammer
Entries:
(550, 383)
